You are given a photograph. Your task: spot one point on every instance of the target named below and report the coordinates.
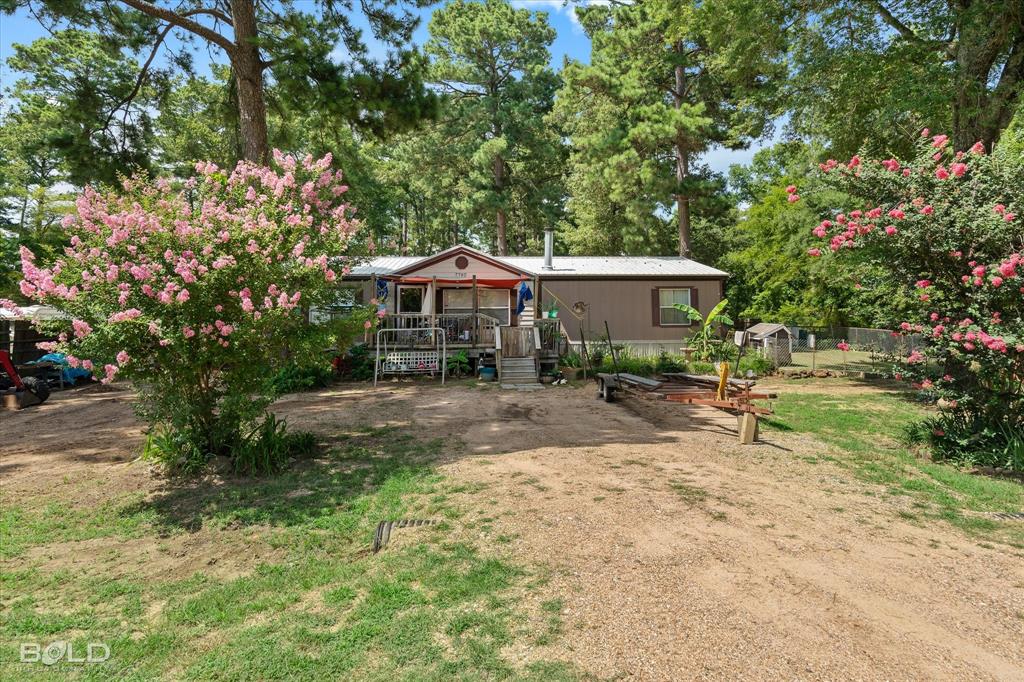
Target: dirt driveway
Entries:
(677, 553)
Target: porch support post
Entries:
(536, 299)
(476, 310)
(433, 305)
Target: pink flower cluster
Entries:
(10, 306)
(186, 264)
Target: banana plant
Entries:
(702, 340)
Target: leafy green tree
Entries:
(79, 102)
(427, 212)
(296, 46)
(492, 62)
(666, 80)
(198, 119)
(955, 66)
(76, 114)
(772, 278)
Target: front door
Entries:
(410, 299)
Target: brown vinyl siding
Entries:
(626, 304)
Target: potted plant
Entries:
(571, 365)
(458, 364)
(552, 311)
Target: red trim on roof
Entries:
(481, 281)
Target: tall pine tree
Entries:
(666, 80)
(492, 61)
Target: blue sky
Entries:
(569, 42)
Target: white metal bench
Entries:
(391, 359)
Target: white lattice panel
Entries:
(410, 361)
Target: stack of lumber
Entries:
(703, 390)
(693, 389)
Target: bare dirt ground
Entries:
(678, 553)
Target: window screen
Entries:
(667, 299)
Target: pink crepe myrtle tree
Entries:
(949, 226)
(199, 294)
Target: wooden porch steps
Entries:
(518, 371)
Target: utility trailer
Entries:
(734, 395)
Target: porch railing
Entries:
(459, 329)
(550, 336)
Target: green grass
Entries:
(690, 494)
(435, 607)
(852, 360)
(866, 429)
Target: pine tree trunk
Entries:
(499, 187)
(682, 200)
(248, 71)
(682, 167)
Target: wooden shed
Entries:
(774, 341)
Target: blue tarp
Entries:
(69, 373)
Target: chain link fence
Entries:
(849, 349)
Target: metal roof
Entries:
(615, 266)
(385, 265)
(34, 312)
(569, 266)
(763, 330)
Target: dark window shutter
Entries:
(655, 308)
(694, 301)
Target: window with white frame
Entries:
(668, 314)
(457, 301)
(493, 302)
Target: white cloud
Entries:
(557, 7)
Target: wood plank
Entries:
(748, 428)
(726, 404)
(708, 380)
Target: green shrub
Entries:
(296, 377)
(458, 364)
(357, 365)
(756, 363)
(628, 364)
(669, 363)
(180, 452)
(702, 368)
(571, 359)
(269, 446)
(266, 449)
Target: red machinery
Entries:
(17, 392)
